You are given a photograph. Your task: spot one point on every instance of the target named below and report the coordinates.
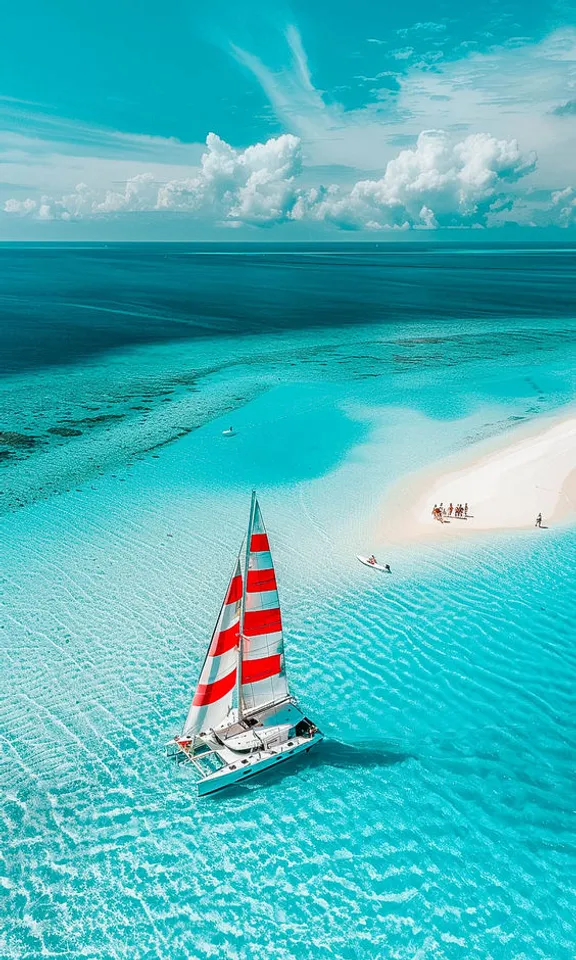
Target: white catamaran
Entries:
(243, 719)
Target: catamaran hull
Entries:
(256, 763)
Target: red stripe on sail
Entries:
(254, 670)
(234, 590)
(261, 580)
(258, 622)
(259, 542)
(225, 640)
(212, 692)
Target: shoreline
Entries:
(506, 482)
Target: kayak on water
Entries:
(375, 566)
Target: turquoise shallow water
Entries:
(437, 819)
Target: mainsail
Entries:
(215, 690)
(263, 675)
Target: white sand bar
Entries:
(529, 472)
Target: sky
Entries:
(317, 120)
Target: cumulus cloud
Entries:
(436, 183)
(254, 186)
(138, 194)
(565, 203)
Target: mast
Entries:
(243, 604)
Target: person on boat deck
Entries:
(372, 559)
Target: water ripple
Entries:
(436, 820)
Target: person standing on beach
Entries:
(466, 510)
(450, 510)
(538, 520)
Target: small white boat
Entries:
(243, 719)
(374, 566)
(228, 433)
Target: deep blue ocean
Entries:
(64, 302)
(437, 818)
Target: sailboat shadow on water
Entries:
(365, 755)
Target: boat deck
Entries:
(246, 747)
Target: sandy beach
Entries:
(528, 471)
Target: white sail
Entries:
(215, 691)
(264, 678)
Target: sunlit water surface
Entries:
(436, 820)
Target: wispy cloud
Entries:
(515, 90)
(71, 136)
(512, 91)
(5, 99)
(300, 59)
(291, 91)
(330, 134)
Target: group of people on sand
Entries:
(439, 512)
